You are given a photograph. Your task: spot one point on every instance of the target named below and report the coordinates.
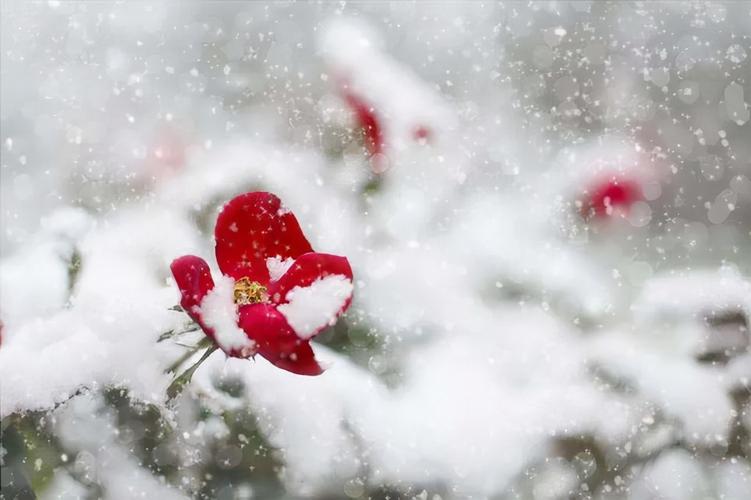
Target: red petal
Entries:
(276, 341)
(251, 228)
(307, 269)
(367, 120)
(193, 278)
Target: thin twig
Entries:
(192, 327)
(177, 385)
(205, 342)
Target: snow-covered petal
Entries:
(278, 266)
(219, 312)
(312, 308)
(307, 269)
(276, 341)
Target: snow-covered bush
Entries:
(506, 254)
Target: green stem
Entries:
(172, 333)
(204, 342)
(177, 385)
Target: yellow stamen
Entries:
(249, 292)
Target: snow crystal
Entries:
(310, 308)
(220, 313)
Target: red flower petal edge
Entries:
(193, 278)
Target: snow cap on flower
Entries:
(275, 293)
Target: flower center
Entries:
(249, 292)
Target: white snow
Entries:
(674, 475)
(410, 434)
(35, 283)
(693, 294)
(278, 266)
(310, 308)
(691, 393)
(90, 431)
(107, 335)
(219, 312)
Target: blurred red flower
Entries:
(367, 121)
(609, 196)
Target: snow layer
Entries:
(90, 430)
(219, 311)
(673, 381)
(278, 266)
(107, 335)
(694, 294)
(36, 282)
(408, 435)
(310, 308)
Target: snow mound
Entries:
(310, 308)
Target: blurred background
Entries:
(546, 205)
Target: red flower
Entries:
(367, 120)
(610, 194)
(275, 294)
